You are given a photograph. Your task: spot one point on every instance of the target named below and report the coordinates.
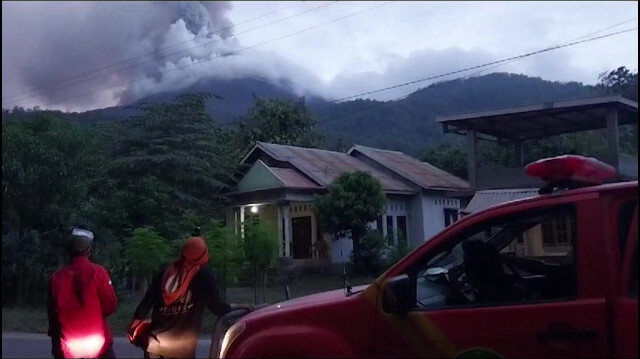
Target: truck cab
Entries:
(545, 277)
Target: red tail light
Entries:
(571, 168)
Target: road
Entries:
(27, 345)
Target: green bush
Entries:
(225, 251)
(369, 260)
(260, 247)
(146, 251)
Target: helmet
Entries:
(81, 241)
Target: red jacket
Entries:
(80, 298)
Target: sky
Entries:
(76, 56)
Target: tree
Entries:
(171, 158)
(619, 81)
(146, 251)
(450, 157)
(354, 200)
(47, 166)
(260, 246)
(279, 121)
(226, 253)
(623, 82)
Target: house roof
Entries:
(420, 173)
(488, 198)
(542, 120)
(324, 166)
(293, 179)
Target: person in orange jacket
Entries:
(178, 295)
(80, 298)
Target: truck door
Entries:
(508, 285)
(625, 339)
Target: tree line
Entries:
(140, 184)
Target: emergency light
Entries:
(571, 169)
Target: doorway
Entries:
(301, 237)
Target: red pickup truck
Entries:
(545, 277)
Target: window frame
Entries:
(487, 224)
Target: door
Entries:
(626, 307)
(478, 297)
(301, 237)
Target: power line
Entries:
(490, 65)
(158, 51)
(229, 53)
(480, 66)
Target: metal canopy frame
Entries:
(517, 124)
(543, 120)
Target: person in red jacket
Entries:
(79, 300)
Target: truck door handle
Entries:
(567, 335)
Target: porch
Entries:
(299, 234)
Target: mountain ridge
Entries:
(406, 125)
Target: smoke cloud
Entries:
(73, 38)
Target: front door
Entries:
(478, 297)
(301, 237)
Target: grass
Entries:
(34, 320)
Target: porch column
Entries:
(242, 221)
(384, 225)
(395, 229)
(281, 239)
(613, 152)
(287, 230)
(472, 158)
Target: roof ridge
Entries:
(301, 147)
(379, 149)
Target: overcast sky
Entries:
(350, 47)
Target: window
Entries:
(557, 234)
(450, 216)
(502, 262)
(379, 224)
(390, 227)
(402, 228)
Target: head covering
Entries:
(178, 276)
(81, 241)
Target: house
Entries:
(281, 182)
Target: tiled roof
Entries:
(324, 166)
(418, 172)
(293, 179)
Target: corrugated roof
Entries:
(293, 179)
(418, 172)
(488, 198)
(324, 166)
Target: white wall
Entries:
(416, 222)
(433, 206)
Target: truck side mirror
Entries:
(397, 295)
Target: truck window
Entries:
(514, 260)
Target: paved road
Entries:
(27, 345)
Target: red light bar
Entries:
(571, 168)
